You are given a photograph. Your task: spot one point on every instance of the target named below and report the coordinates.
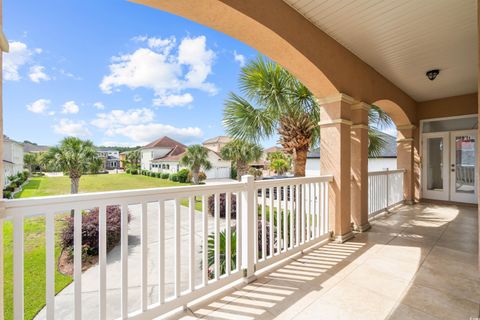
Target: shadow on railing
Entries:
(385, 190)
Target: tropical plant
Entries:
(279, 166)
(74, 157)
(31, 161)
(196, 158)
(274, 101)
(257, 173)
(132, 159)
(242, 153)
(96, 165)
(183, 175)
(377, 120)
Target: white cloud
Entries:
(240, 58)
(121, 118)
(37, 74)
(137, 98)
(99, 105)
(145, 133)
(68, 127)
(173, 100)
(14, 60)
(166, 73)
(39, 106)
(70, 107)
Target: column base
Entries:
(363, 228)
(250, 279)
(344, 237)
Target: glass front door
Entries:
(463, 166)
(435, 166)
(449, 166)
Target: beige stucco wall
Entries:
(448, 107)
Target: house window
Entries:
(168, 166)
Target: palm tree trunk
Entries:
(242, 169)
(74, 183)
(300, 161)
(195, 176)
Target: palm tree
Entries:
(133, 159)
(30, 160)
(96, 165)
(377, 120)
(285, 106)
(276, 102)
(280, 166)
(74, 157)
(196, 158)
(242, 153)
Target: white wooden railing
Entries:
(300, 206)
(385, 190)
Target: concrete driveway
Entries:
(90, 278)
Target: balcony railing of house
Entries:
(274, 219)
(385, 190)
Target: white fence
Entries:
(385, 190)
(274, 219)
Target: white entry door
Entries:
(463, 162)
(435, 180)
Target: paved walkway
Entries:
(90, 278)
(419, 263)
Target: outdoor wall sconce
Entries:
(432, 74)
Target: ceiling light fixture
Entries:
(432, 74)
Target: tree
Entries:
(242, 153)
(74, 157)
(96, 165)
(274, 101)
(31, 161)
(280, 166)
(377, 120)
(132, 159)
(196, 158)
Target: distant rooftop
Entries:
(221, 139)
(164, 142)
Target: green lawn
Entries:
(35, 233)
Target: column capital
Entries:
(335, 121)
(361, 106)
(406, 127)
(4, 46)
(336, 98)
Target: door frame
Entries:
(443, 194)
(454, 196)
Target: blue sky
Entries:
(115, 72)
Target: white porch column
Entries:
(335, 123)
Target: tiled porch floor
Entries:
(418, 263)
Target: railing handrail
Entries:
(385, 172)
(290, 181)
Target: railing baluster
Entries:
(217, 235)
(102, 261)
(124, 261)
(191, 207)
(50, 264)
(271, 214)
(279, 220)
(264, 227)
(292, 201)
(204, 241)
(77, 262)
(285, 219)
(255, 223)
(304, 209)
(144, 256)
(298, 205)
(178, 263)
(161, 251)
(327, 213)
(317, 209)
(309, 213)
(239, 231)
(228, 235)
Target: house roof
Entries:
(105, 149)
(174, 155)
(223, 139)
(164, 142)
(273, 149)
(388, 151)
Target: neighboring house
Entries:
(216, 144)
(386, 160)
(110, 157)
(164, 155)
(123, 158)
(12, 158)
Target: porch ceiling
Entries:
(404, 39)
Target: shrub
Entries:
(158, 175)
(165, 175)
(9, 188)
(152, 174)
(201, 176)
(13, 185)
(257, 173)
(233, 173)
(183, 175)
(127, 170)
(26, 174)
(7, 194)
(222, 205)
(173, 177)
(134, 171)
(90, 230)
